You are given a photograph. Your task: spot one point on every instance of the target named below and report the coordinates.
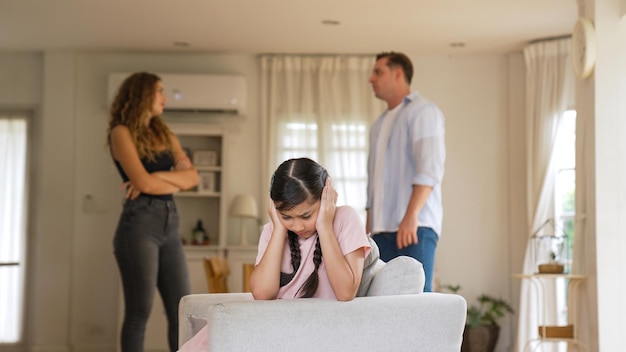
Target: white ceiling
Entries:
(283, 26)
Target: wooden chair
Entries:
(216, 269)
(247, 271)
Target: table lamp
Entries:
(244, 206)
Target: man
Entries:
(405, 167)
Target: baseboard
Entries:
(12, 348)
(81, 348)
(50, 348)
(95, 347)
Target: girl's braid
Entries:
(310, 285)
(296, 258)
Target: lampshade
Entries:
(244, 205)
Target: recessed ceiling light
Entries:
(457, 45)
(181, 44)
(331, 22)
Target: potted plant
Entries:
(481, 328)
(552, 267)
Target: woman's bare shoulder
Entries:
(120, 129)
(119, 132)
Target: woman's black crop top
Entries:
(164, 161)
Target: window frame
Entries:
(28, 115)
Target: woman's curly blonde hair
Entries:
(132, 104)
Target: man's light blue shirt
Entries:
(415, 155)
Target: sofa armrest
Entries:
(192, 311)
(420, 322)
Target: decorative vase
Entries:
(480, 338)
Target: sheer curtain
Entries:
(13, 138)
(549, 92)
(320, 107)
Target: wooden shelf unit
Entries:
(553, 333)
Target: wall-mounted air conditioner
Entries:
(196, 92)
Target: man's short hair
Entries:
(395, 60)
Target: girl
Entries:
(147, 245)
(311, 248)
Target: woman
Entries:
(147, 244)
(311, 248)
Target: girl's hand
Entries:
(275, 217)
(328, 205)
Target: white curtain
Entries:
(13, 134)
(320, 107)
(549, 92)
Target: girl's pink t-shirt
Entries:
(351, 236)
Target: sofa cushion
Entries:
(371, 265)
(399, 276)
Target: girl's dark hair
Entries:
(294, 182)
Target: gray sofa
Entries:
(391, 314)
(423, 322)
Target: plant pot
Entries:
(551, 268)
(480, 338)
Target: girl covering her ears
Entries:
(311, 247)
(147, 244)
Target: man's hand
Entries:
(407, 232)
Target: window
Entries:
(299, 139)
(320, 107)
(344, 152)
(348, 159)
(565, 182)
(13, 153)
(564, 193)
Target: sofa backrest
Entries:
(423, 322)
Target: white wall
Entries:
(518, 229)
(610, 171)
(74, 291)
(601, 108)
(21, 77)
(473, 93)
